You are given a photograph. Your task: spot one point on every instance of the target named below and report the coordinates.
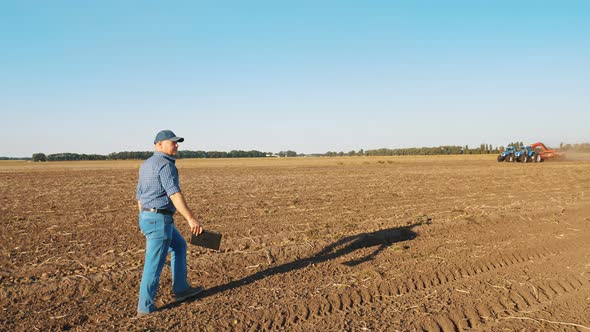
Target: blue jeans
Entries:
(161, 237)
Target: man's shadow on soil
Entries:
(380, 239)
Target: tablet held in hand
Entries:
(207, 239)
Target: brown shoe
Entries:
(188, 293)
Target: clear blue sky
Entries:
(310, 76)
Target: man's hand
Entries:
(195, 225)
(180, 204)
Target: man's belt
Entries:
(160, 211)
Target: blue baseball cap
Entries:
(167, 135)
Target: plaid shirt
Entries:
(158, 180)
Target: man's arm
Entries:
(180, 204)
(139, 206)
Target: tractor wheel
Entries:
(525, 158)
(538, 158)
(500, 158)
(512, 158)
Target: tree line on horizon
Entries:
(430, 151)
(439, 150)
(142, 155)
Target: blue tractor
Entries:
(527, 154)
(507, 155)
(520, 155)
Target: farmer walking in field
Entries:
(158, 197)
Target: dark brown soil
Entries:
(316, 244)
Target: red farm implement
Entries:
(546, 153)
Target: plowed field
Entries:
(310, 244)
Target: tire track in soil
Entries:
(519, 299)
(387, 291)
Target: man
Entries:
(158, 197)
